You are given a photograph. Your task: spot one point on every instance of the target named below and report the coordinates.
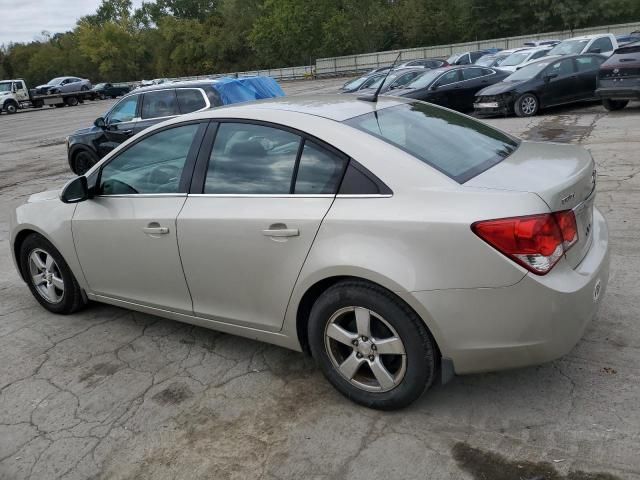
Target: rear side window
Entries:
(458, 146)
(251, 159)
(319, 171)
(471, 73)
(190, 100)
(160, 104)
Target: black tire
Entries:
(72, 101)
(84, 88)
(83, 161)
(102, 96)
(71, 298)
(613, 105)
(526, 105)
(60, 105)
(10, 107)
(38, 104)
(420, 367)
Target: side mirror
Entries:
(550, 76)
(100, 123)
(433, 87)
(75, 191)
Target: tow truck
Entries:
(15, 95)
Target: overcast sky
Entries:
(24, 20)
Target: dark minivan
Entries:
(147, 106)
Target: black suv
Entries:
(147, 106)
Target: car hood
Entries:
(45, 196)
(84, 131)
(500, 88)
(45, 86)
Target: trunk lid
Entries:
(563, 176)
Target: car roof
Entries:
(331, 106)
(588, 37)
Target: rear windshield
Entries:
(458, 146)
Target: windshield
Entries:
(528, 72)
(55, 81)
(486, 60)
(390, 78)
(425, 79)
(5, 87)
(457, 145)
(514, 59)
(569, 47)
(356, 83)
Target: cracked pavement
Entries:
(109, 393)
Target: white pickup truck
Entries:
(15, 95)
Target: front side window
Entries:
(539, 54)
(153, 165)
(159, 104)
(586, 64)
(448, 78)
(319, 171)
(561, 68)
(190, 100)
(251, 159)
(124, 111)
(458, 146)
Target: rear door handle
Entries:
(125, 132)
(281, 232)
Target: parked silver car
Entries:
(64, 85)
(397, 241)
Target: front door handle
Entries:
(280, 230)
(154, 228)
(125, 132)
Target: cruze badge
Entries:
(569, 197)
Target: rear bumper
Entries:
(619, 93)
(534, 321)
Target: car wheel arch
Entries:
(19, 239)
(313, 292)
(76, 150)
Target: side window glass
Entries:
(153, 165)
(251, 159)
(319, 172)
(125, 111)
(464, 60)
(161, 103)
(471, 73)
(487, 71)
(539, 54)
(586, 63)
(562, 68)
(190, 100)
(448, 78)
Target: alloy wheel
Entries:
(365, 349)
(46, 276)
(528, 105)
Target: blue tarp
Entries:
(246, 89)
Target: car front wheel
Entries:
(526, 105)
(49, 277)
(372, 347)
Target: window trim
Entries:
(187, 171)
(202, 164)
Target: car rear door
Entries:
(156, 107)
(587, 68)
(125, 236)
(473, 80)
(258, 200)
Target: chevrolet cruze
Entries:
(398, 242)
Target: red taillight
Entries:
(536, 242)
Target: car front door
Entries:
(120, 122)
(125, 236)
(559, 83)
(442, 91)
(156, 107)
(244, 237)
(22, 94)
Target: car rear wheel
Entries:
(72, 101)
(49, 277)
(526, 105)
(613, 105)
(370, 346)
(83, 161)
